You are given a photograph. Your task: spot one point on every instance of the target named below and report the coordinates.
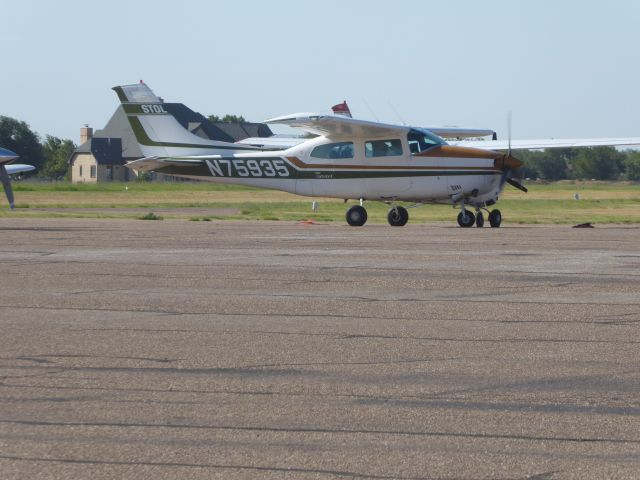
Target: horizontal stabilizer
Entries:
(149, 164)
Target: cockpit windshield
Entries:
(421, 140)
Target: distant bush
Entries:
(150, 216)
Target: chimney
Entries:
(86, 133)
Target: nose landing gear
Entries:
(466, 219)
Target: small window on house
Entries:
(80, 170)
(333, 150)
(383, 148)
(93, 171)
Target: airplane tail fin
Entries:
(158, 132)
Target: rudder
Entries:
(157, 131)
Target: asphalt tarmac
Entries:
(270, 350)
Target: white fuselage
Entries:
(439, 177)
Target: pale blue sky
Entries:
(564, 68)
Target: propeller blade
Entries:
(509, 132)
(518, 185)
(6, 182)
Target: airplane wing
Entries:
(273, 143)
(337, 126)
(19, 168)
(457, 132)
(549, 143)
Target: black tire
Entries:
(398, 217)
(356, 216)
(495, 218)
(466, 219)
(479, 220)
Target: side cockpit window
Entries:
(333, 150)
(419, 141)
(383, 148)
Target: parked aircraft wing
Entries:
(273, 143)
(550, 143)
(458, 132)
(19, 168)
(337, 126)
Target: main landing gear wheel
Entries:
(356, 216)
(495, 218)
(398, 217)
(479, 220)
(466, 219)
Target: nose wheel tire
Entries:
(466, 219)
(398, 217)
(356, 216)
(495, 218)
(479, 220)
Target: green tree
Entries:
(56, 154)
(632, 166)
(529, 159)
(18, 137)
(549, 164)
(226, 119)
(600, 163)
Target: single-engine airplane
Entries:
(6, 158)
(349, 159)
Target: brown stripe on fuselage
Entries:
(448, 151)
(316, 166)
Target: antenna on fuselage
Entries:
(397, 114)
(370, 110)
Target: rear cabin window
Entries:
(421, 141)
(383, 148)
(333, 150)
